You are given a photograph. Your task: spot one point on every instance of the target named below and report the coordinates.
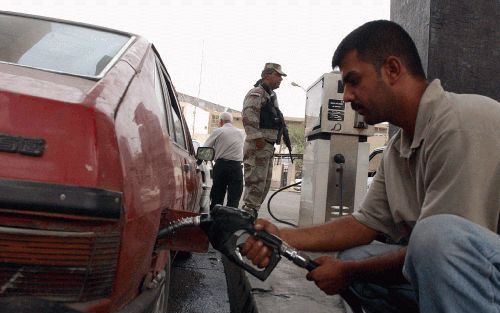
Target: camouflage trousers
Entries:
(258, 166)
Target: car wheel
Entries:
(183, 256)
(161, 304)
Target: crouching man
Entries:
(437, 189)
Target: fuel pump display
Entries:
(331, 188)
(326, 111)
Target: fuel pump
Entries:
(335, 167)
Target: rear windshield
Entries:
(56, 46)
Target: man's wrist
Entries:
(352, 270)
(287, 236)
(382, 269)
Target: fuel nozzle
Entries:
(227, 228)
(298, 258)
(183, 223)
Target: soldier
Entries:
(263, 124)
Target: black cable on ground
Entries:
(269, 206)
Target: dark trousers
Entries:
(228, 175)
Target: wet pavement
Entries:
(198, 284)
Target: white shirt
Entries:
(227, 142)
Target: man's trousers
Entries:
(452, 266)
(227, 176)
(258, 165)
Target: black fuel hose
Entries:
(269, 204)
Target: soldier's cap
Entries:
(275, 67)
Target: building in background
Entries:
(202, 117)
(197, 120)
(380, 136)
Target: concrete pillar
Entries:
(277, 176)
(458, 41)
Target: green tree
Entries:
(296, 133)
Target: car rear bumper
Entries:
(63, 199)
(144, 303)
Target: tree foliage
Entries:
(296, 133)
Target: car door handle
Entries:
(187, 167)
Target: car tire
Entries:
(183, 255)
(161, 303)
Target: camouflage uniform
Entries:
(258, 163)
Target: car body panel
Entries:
(42, 84)
(109, 134)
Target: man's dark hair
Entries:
(377, 40)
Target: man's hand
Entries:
(260, 143)
(332, 275)
(255, 250)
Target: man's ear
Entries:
(393, 68)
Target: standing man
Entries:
(263, 124)
(227, 142)
(438, 185)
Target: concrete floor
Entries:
(286, 289)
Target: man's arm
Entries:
(340, 234)
(333, 275)
(210, 142)
(251, 115)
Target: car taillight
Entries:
(60, 265)
(58, 241)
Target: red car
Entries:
(95, 158)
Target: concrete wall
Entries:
(414, 16)
(458, 41)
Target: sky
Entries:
(216, 49)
